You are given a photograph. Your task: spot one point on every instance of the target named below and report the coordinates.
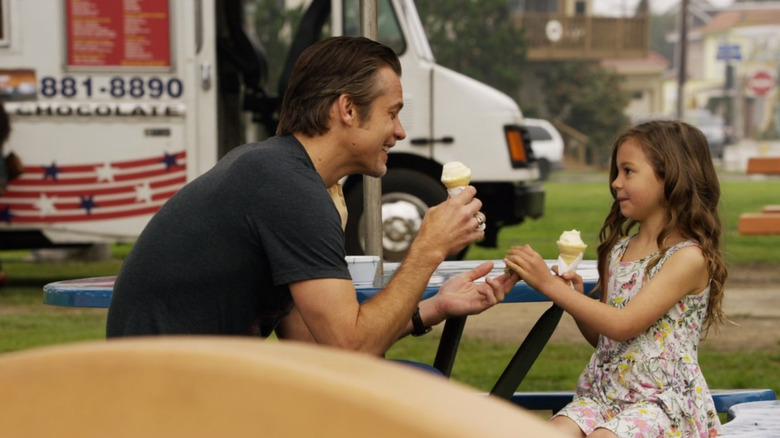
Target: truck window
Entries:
(389, 31)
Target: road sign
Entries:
(761, 82)
(729, 52)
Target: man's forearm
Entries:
(396, 303)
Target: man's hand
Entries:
(452, 225)
(460, 296)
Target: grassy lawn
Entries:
(25, 322)
(584, 204)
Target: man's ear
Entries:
(346, 109)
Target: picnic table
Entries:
(97, 291)
(759, 419)
(768, 220)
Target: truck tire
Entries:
(406, 197)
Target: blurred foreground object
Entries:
(213, 386)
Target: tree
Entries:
(476, 38)
(589, 99)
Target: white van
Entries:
(547, 145)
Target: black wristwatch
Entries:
(418, 328)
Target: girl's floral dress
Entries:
(651, 385)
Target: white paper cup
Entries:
(362, 268)
(455, 190)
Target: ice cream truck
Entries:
(116, 104)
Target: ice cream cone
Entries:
(571, 248)
(458, 182)
(570, 254)
(455, 176)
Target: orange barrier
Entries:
(768, 221)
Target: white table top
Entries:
(760, 419)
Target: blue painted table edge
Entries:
(97, 291)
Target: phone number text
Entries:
(117, 87)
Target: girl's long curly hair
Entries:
(680, 155)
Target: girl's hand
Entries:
(573, 279)
(532, 268)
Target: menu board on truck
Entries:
(123, 33)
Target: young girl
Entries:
(661, 281)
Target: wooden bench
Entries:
(556, 400)
(771, 209)
(764, 166)
(768, 220)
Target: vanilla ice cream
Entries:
(571, 248)
(455, 176)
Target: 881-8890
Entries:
(115, 87)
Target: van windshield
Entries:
(538, 133)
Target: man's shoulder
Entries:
(281, 149)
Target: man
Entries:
(255, 245)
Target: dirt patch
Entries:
(751, 303)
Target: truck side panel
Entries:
(106, 109)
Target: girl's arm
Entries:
(683, 273)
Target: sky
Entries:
(622, 7)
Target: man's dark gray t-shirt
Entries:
(219, 255)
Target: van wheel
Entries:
(406, 197)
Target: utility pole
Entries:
(372, 187)
(681, 67)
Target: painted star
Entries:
(88, 203)
(46, 205)
(143, 192)
(51, 171)
(169, 160)
(105, 173)
(5, 214)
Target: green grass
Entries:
(26, 323)
(584, 204)
(479, 364)
(41, 328)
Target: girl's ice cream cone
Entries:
(571, 249)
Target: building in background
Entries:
(567, 30)
(732, 68)
(644, 79)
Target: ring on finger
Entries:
(480, 217)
